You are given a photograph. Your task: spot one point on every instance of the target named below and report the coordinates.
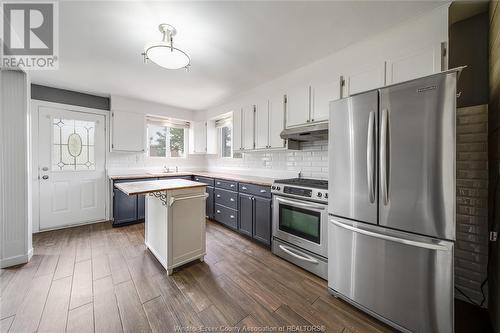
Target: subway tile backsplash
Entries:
(311, 160)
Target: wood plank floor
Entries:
(96, 278)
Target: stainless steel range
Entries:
(300, 220)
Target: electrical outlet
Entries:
(493, 236)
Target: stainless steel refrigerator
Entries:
(392, 202)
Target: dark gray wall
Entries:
(49, 94)
(469, 46)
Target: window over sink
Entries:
(166, 137)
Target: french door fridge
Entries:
(392, 207)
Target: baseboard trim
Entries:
(70, 226)
(16, 260)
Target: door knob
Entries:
(45, 169)
(45, 177)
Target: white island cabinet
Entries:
(175, 219)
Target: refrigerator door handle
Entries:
(370, 157)
(427, 245)
(383, 156)
(301, 204)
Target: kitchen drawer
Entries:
(262, 191)
(206, 180)
(226, 198)
(226, 184)
(226, 216)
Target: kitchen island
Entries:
(175, 219)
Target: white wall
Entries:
(15, 189)
(137, 162)
(421, 32)
(121, 103)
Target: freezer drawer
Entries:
(309, 261)
(403, 279)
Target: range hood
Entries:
(311, 132)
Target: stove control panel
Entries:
(301, 192)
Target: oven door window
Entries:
(300, 222)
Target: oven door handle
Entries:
(303, 256)
(300, 204)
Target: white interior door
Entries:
(71, 150)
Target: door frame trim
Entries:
(35, 106)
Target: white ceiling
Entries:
(234, 46)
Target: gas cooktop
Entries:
(304, 182)
(302, 188)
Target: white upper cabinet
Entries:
(247, 124)
(212, 145)
(198, 137)
(417, 63)
(365, 78)
(322, 93)
(237, 130)
(127, 131)
(262, 125)
(276, 121)
(203, 137)
(297, 105)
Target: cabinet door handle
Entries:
(232, 185)
(218, 195)
(243, 187)
(263, 191)
(218, 183)
(218, 211)
(231, 216)
(231, 199)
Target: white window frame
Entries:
(220, 123)
(168, 123)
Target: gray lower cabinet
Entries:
(246, 214)
(128, 209)
(255, 217)
(210, 202)
(226, 216)
(262, 220)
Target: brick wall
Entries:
(494, 157)
(471, 252)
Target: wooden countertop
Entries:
(157, 186)
(151, 175)
(265, 181)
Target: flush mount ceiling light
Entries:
(164, 53)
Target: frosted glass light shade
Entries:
(164, 55)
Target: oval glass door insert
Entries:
(74, 145)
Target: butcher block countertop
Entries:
(265, 181)
(157, 186)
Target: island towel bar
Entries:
(174, 199)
